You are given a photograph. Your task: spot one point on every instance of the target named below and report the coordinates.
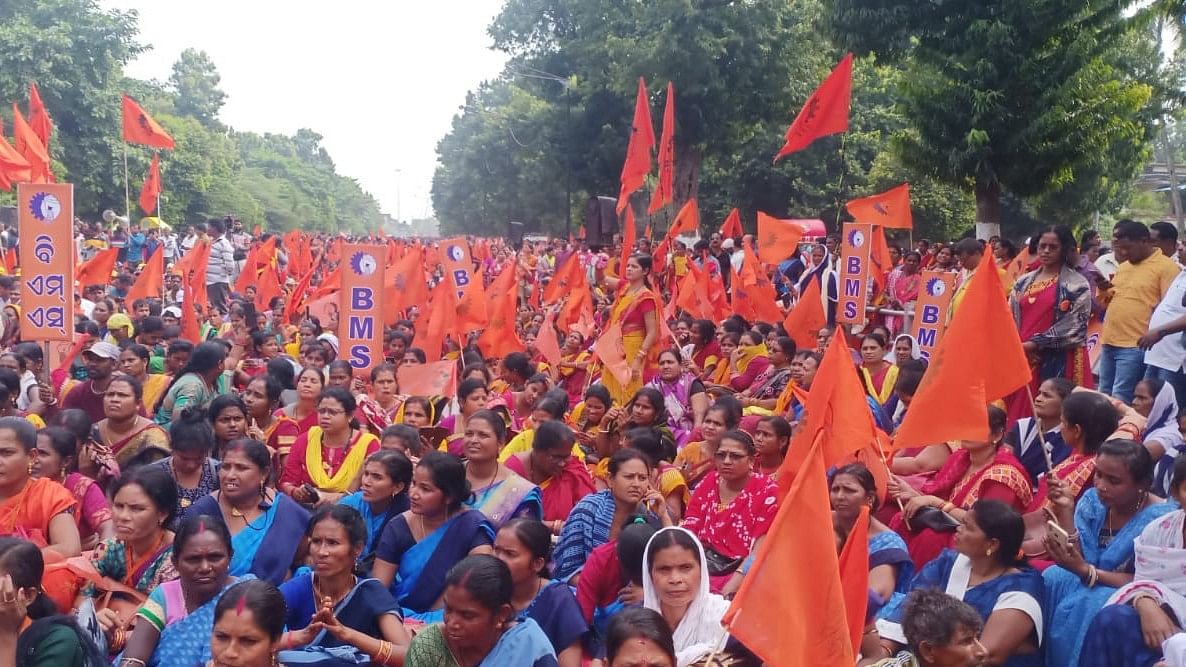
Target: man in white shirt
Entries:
(1165, 349)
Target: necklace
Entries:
(319, 596)
(492, 479)
(1038, 286)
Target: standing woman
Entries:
(254, 514)
(130, 437)
(524, 545)
(636, 313)
(266, 422)
(134, 361)
(309, 384)
(382, 494)
(196, 384)
(498, 492)
(471, 397)
(327, 459)
(57, 459)
(1051, 306)
(190, 465)
(877, 374)
(902, 287)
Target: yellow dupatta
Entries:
(749, 353)
(887, 385)
(340, 482)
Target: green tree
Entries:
(195, 80)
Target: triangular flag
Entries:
(408, 287)
(28, 145)
(778, 239)
(963, 377)
(39, 120)
(140, 128)
(664, 189)
(825, 113)
(807, 317)
(151, 280)
(191, 330)
(436, 378)
(14, 168)
(500, 338)
(442, 314)
(152, 186)
(890, 209)
(638, 152)
(194, 262)
(97, 270)
(608, 348)
(854, 577)
(563, 280)
(731, 228)
(629, 238)
(296, 301)
(546, 340)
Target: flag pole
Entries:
(127, 195)
(840, 183)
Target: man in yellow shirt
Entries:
(1139, 285)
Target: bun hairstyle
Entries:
(264, 601)
(535, 537)
(192, 432)
(1094, 415)
(448, 475)
(1002, 523)
(484, 577)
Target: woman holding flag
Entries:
(635, 315)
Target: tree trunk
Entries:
(988, 210)
(685, 185)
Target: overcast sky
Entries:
(380, 79)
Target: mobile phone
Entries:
(1059, 534)
(312, 491)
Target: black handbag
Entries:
(719, 564)
(935, 519)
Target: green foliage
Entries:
(195, 80)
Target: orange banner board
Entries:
(46, 224)
(361, 305)
(456, 261)
(855, 242)
(930, 311)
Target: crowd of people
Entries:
(248, 498)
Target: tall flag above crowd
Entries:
(825, 113)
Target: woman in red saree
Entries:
(901, 289)
(877, 374)
(309, 384)
(976, 471)
(1051, 306)
(562, 479)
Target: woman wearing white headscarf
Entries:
(822, 269)
(675, 584)
(1155, 400)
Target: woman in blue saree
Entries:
(890, 566)
(499, 493)
(173, 626)
(255, 514)
(335, 617)
(382, 494)
(984, 571)
(418, 547)
(1101, 554)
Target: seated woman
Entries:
(131, 438)
(248, 625)
(890, 567)
(254, 513)
(731, 510)
(382, 494)
(1142, 622)
(696, 459)
(499, 492)
(675, 584)
(703, 351)
(419, 412)
(133, 361)
(332, 614)
(194, 385)
(1029, 434)
(574, 366)
(31, 632)
(878, 374)
(327, 458)
(762, 396)
(551, 406)
(403, 439)
(479, 589)
(598, 518)
(524, 545)
(562, 479)
(744, 358)
(190, 465)
(611, 581)
(684, 398)
(310, 383)
(1102, 528)
(984, 570)
(585, 419)
(378, 409)
(173, 626)
(228, 415)
(1155, 400)
(939, 631)
(57, 459)
(436, 533)
(977, 470)
(772, 438)
(667, 478)
(471, 397)
(646, 409)
(639, 637)
(266, 421)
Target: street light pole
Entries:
(398, 219)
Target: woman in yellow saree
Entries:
(636, 313)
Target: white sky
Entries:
(380, 79)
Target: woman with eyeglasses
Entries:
(327, 459)
(731, 510)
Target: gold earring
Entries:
(988, 553)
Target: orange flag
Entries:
(777, 239)
(471, 306)
(757, 283)
(825, 113)
(963, 377)
(716, 296)
(196, 261)
(609, 350)
(39, 120)
(14, 168)
(267, 288)
(152, 186)
(546, 341)
(151, 280)
(629, 237)
(442, 313)
(854, 578)
(807, 317)
(436, 378)
(664, 191)
(567, 275)
(795, 578)
(97, 270)
(190, 329)
(731, 228)
(140, 128)
(879, 257)
(578, 311)
(692, 295)
(407, 287)
(500, 338)
(638, 152)
(890, 209)
(28, 145)
(686, 221)
(296, 300)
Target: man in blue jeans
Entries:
(1138, 287)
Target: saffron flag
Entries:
(140, 128)
(566, 276)
(795, 578)
(807, 317)
(151, 279)
(500, 338)
(152, 186)
(436, 378)
(664, 190)
(638, 152)
(442, 313)
(963, 377)
(754, 276)
(546, 340)
(14, 168)
(406, 286)
(195, 261)
(629, 238)
(854, 577)
(890, 209)
(97, 270)
(29, 146)
(731, 228)
(191, 330)
(296, 301)
(825, 113)
(39, 120)
(608, 348)
(778, 239)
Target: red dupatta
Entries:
(560, 493)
